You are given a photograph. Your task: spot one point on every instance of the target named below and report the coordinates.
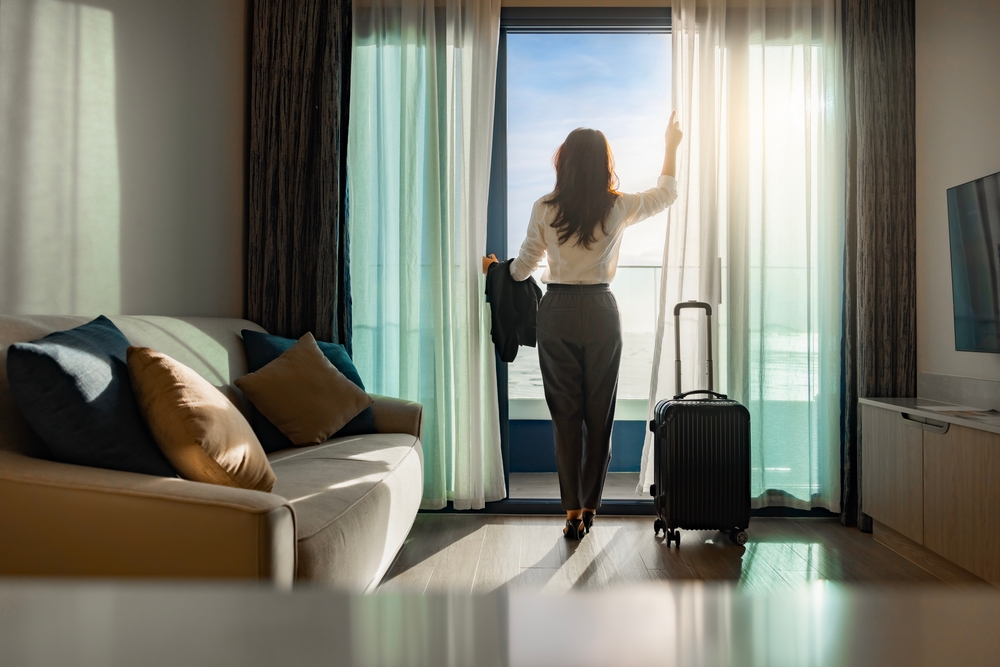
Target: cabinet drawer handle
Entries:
(926, 424)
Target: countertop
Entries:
(936, 411)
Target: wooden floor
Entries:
(480, 553)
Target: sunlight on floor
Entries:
(464, 552)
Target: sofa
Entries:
(338, 514)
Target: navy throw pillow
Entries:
(73, 387)
(262, 349)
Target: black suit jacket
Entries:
(514, 305)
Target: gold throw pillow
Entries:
(303, 394)
(200, 431)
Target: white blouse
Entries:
(571, 263)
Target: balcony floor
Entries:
(545, 485)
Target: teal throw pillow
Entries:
(73, 388)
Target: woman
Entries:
(579, 226)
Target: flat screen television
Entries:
(974, 228)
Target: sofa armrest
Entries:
(397, 415)
(58, 519)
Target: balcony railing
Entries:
(636, 289)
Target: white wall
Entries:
(958, 140)
(121, 156)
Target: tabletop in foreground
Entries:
(693, 623)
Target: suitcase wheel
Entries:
(738, 536)
(658, 526)
(672, 535)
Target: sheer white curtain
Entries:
(757, 231)
(421, 125)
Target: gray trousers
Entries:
(579, 337)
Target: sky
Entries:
(616, 83)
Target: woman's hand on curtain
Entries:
(674, 134)
(487, 261)
(673, 137)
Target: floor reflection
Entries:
(482, 553)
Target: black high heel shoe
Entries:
(588, 520)
(574, 529)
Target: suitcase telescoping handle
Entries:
(677, 349)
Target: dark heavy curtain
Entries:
(297, 252)
(880, 337)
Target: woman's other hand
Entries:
(492, 259)
(674, 134)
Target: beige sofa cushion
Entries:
(303, 394)
(199, 430)
(355, 499)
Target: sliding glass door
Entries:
(559, 70)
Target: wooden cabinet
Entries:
(931, 482)
(892, 470)
(961, 489)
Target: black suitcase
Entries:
(701, 455)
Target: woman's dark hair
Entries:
(586, 186)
